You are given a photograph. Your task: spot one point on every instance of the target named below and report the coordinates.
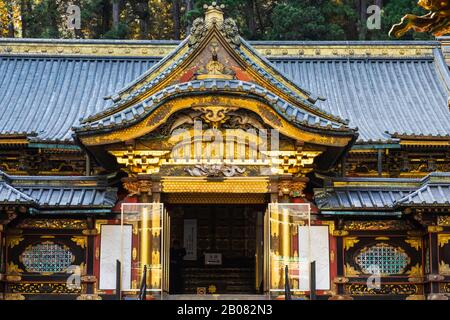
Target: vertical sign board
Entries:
(320, 252)
(190, 239)
(110, 251)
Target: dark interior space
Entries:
(226, 233)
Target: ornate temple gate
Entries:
(285, 236)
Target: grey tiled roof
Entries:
(10, 195)
(379, 96)
(57, 192)
(359, 198)
(433, 190)
(71, 197)
(428, 195)
(45, 96)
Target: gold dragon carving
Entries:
(436, 21)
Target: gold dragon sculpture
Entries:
(436, 21)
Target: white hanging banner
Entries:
(110, 252)
(320, 252)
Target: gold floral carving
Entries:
(53, 224)
(339, 233)
(435, 229)
(226, 186)
(415, 243)
(89, 297)
(215, 115)
(13, 241)
(12, 268)
(291, 188)
(443, 239)
(215, 69)
(80, 241)
(444, 221)
(415, 271)
(446, 288)
(444, 268)
(270, 116)
(138, 187)
(330, 225)
(363, 289)
(376, 225)
(14, 296)
(349, 271)
(349, 242)
(42, 288)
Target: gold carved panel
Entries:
(205, 185)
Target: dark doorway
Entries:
(221, 246)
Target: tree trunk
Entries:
(189, 5)
(362, 18)
(143, 13)
(251, 20)
(24, 12)
(176, 13)
(106, 16)
(10, 10)
(257, 8)
(116, 13)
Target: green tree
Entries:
(311, 20)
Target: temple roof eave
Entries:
(384, 194)
(289, 112)
(58, 192)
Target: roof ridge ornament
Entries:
(214, 13)
(214, 17)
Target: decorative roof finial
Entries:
(214, 13)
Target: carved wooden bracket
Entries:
(292, 188)
(341, 280)
(138, 187)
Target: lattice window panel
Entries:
(47, 257)
(386, 259)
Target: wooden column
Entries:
(434, 278)
(88, 279)
(340, 280)
(2, 262)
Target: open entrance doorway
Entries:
(229, 249)
(216, 249)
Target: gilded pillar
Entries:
(149, 225)
(340, 279)
(288, 190)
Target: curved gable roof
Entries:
(182, 57)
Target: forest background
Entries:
(172, 19)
